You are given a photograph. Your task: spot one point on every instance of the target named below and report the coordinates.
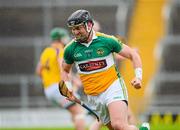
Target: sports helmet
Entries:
(79, 17)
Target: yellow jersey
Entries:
(50, 72)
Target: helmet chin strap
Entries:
(88, 30)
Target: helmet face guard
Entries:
(75, 23)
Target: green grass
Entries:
(165, 127)
(42, 129)
(153, 127)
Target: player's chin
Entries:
(81, 38)
(78, 37)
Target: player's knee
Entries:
(117, 125)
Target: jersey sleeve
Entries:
(115, 44)
(68, 56)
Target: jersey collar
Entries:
(93, 37)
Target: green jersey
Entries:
(94, 61)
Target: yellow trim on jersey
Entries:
(110, 36)
(98, 82)
(105, 35)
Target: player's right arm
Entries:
(66, 78)
(67, 62)
(66, 68)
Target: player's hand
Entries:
(136, 82)
(71, 96)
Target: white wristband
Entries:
(138, 73)
(69, 85)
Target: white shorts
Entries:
(117, 91)
(53, 95)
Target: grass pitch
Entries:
(153, 127)
(36, 128)
(43, 128)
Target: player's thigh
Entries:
(118, 111)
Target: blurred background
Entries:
(152, 27)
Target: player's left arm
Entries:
(131, 54)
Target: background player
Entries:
(49, 70)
